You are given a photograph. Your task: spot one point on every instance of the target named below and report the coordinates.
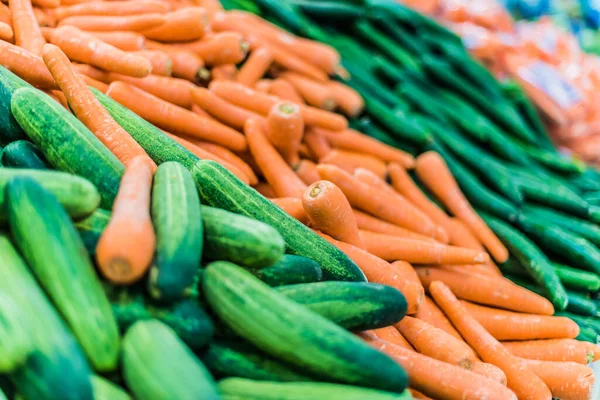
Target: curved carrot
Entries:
(224, 72)
(173, 90)
(185, 64)
(122, 40)
(266, 190)
(89, 110)
(434, 173)
(524, 383)
(314, 93)
(227, 113)
(60, 98)
(551, 350)
(27, 32)
(126, 247)
(174, 118)
(292, 206)
(44, 17)
(349, 161)
(392, 335)
(462, 236)
(507, 325)
(496, 292)
(190, 23)
(255, 66)
(348, 100)
(329, 211)
(316, 143)
(285, 91)
(228, 156)
(430, 313)
(566, 380)
(100, 23)
(220, 48)
(133, 7)
(101, 86)
(489, 371)
(161, 62)
(307, 171)
(6, 32)
(369, 223)
(285, 128)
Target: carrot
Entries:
(222, 110)
(85, 48)
(594, 350)
(435, 343)
(73, 2)
(348, 100)
(349, 161)
(190, 23)
(430, 313)
(5, 14)
(305, 153)
(566, 380)
(47, 4)
(418, 395)
(371, 178)
(161, 62)
(89, 110)
(476, 269)
(307, 171)
(263, 85)
(284, 91)
(117, 8)
(524, 383)
(489, 371)
(274, 168)
(316, 142)
(441, 380)
(369, 223)
(220, 48)
(379, 271)
(392, 335)
(185, 64)
(27, 32)
(224, 72)
(6, 32)
(255, 66)
(394, 209)
(228, 156)
(506, 325)
(60, 98)
(174, 118)
(292, 206)
(122, 40)
(495, 292)
(285, 128)
(434, 173)
(314, 93)
(101, 86)
(126, 247)
(44, 18)
(462, 236)
(99, 23)
(267, 190)
(551, 350)
(211, 6)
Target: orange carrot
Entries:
(551, 350)
(255, 66)
(48, 4)
(329, 211)
(284, 91)
(566, 380)
(316, 142)
(266, 190)
(44, 18)
(348, 100)
(434, 173)
(314, 93)
(292, 206)
(369, 223)
(285, 128)
(161, 62)
(220, 48)
(476, 269)
(222, 110)
(524, 383)
(349, 161)
(462, 236)
(86, 48)
(190, 23)
(185, 64)
(27, 32)
(593, 349)
(274, 168)
(198, 110)
(122, 40)
(307, 171)
(489, 371)
(228, 156)
(263, 85)
(73, 2)
(173, 118)
(305, 153)
(99, 23)
(495, 292)
(418, 395)
(392, 335)
(6, 32)
(133, 7)
(224, 72)
(371, 178)
(60, 98)
(430, 313)
(126, 247)
(5, 14)
(101, 86)
(506, 325)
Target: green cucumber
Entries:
(66, 143)
(106, 390)
(355, 306)
(159, 366)
(91, 228)
(592, 322)
(15, 342)
(53, 249)
(221, 189)
(578, 226)
(239, 239)
(291, 332)
(246, 389)
(587, 334)
(179, 229)
(289, 270)
(23, 154)
(10, 130)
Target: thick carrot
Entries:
(161, 62)
(284, 91)
(126, 247)
(392, 335)
(101, 86)
(566, 380)
(255, 66)
(173, 90)
(185, 64)
(307, 171)
(6, 32)
(441, 380)
(99, 23)
(524, 383)
(228, 156)
(434, 173)
(263, 85)
(369, 223)
(476, 269)
(44, 18)
(86, 48)
(5, 14)
(430, 313)
(122, 40)
(266, 190)
(285, 129)
(274, 168)
(507, 325)
(349, 161)
(222, 110)
(495, 292)
(316, 143)
(292, 206)
(174, 118)
(348, 100)
(27, 32)
(551, 350)
(594, 350)
(190, 23)
(89, 110)
(220, 48)
(462, 236)
(490, 371)
(134, 7)
(224, 72)
(314, 93)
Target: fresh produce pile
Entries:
(187, 216)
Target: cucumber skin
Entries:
(91, 228)
(221, 189)
(23, 154)
(106, 390)
(15, 343)
(10, 130)
(289, 270)
(66, 143)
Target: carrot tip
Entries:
(315, 191)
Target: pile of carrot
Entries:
(232, 87)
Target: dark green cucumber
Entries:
(592, 322)
(66, 143)
(328, 9)
(15, 341)
(57, 368)
(221, 189)
(106, 390)
(159, 366)
(403, 37)
(53, 249)
(587, 334)
(91, 228)
(355, 306)
(23, 154)
(246, 389)
(295, 334)
(289, 270)
(179, 231)
(572, 224)
(10, 130)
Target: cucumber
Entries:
(355, 306)
(23, 154)
(15, 342)
(246, 389)
(159, 366)
(106, 390)
(91, 228)
(239, 239)
(53, 249)
(578, 226)
(57, 369)
(293, 333)
(289, 270)
(10, 130)
(221, 189)
(179, 229)
(587, 334)
(66, 143)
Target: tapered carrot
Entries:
(566, 380)
(285, 129)
(185, 64)
(524, 383)
(228, 156)
(126, 247)
(476, 269)
(462, 236)
(267, 190)
(369, 223)
(441, 380)
(551, 350)
(284, 91)
(220, 48)
(593, 350)
(122, 40)
(348, 100)
(371, 178)
(263, 85)
(292, 206)
(73, 2)
(418, 395)
(274, 168)
(379, 271)
(224, 72)
(222, 110)
(47, 4)
(434, 173)
(161, 62)
(329, 211)
(287, 59)
(44, 18)
(89, 110)
(85, 48)
(101, 86)
(6, 32)
(211, 6)
(305, 153)
(314, 93)
(134, 7)
(307, 171)
(489, 371)
(392, 335)
(60, 98)
(173, 118)
(99, 23)
(430, 313)
(506, 325)
(350, 160)
(495, 292)
(27, 32)
(5, 14)
(255, 66)
(316, 143)
(190, 23)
